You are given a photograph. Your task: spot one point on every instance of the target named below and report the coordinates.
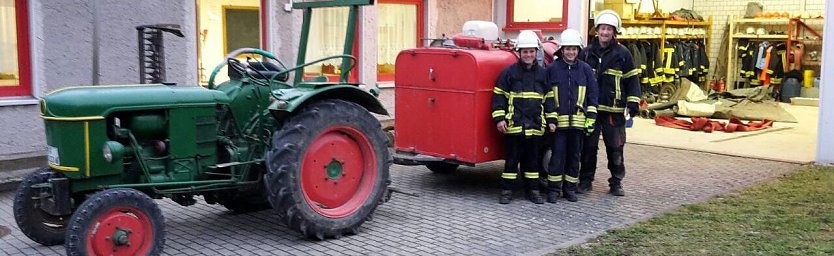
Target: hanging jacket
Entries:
(748, 59)
(647, 75)
(518, 97)
(573, 94)
(637, 57)
(617, 77)
(670, 62)
(778, 61)
(703, 63)
(659, 76)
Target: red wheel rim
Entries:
(332, 193)
(122, 230)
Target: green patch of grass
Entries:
(792, 215)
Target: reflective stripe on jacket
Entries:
(617, 78)
(518, 98)
(573, 94)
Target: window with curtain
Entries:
(537, 14)
(327, 38)
(9, 71)
(14, 49)
(397, 29)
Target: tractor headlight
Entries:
(112, 150)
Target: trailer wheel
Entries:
(441, 167)
(38, 225)
(328, 169)
(120, 221)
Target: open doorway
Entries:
(222, 27)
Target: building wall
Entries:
(577, 17)
(447, 17)
(62, 55)
(721, 10)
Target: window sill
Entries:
(385, 84)
(18, 101)
(542, 27)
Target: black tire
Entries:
(93, 225)
(245, 203)
(441, 167)
(250, 198)
(38, 225)
(317, 128)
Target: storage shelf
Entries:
(763, 20)
(685, 37)
(761, 36)
(638, 37)
(793, 28)
(811, 62)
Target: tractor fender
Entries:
(289, 100)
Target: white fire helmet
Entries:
(608, 17)
(527, 39)
(570, 37)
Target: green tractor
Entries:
(310, 150)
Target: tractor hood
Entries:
(85, 101)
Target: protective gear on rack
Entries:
(608, 17)
(571, 37)
(527, 39)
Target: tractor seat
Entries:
(268, 69)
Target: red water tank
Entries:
(442, 103)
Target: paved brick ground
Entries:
(457, 214)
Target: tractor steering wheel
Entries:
(241, 67)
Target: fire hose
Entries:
(707, 125)
(651, 111)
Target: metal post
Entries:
(350, 34)
(302, 45)
(825, 127)
(95, 67)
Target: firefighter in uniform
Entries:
(619, 95)
(570, 111)
(517, 109)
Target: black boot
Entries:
(554, 190)
(570, 193)
(584, 187)
(552, 197)
(571, 196)
(535, 197)
(506, 197)
(617, 190)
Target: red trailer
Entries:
(442, 98)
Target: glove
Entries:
(589, 125)
(633, 108)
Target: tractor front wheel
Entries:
(120, 221)
(328, 169)
(37, 224)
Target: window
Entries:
(399, 27)
(242, 27)
(327, 38)
(547, 15)
(15, 73)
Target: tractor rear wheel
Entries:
(38, 225)
(328, 169)
(119, 221)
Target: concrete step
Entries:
(13, 168)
